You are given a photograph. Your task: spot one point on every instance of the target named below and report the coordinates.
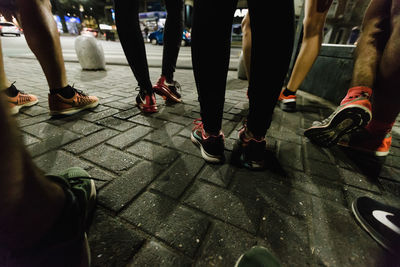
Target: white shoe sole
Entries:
(72, 111)
(206, 156)
(14, 110)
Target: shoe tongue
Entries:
(66, 92)
(355, 92)
(12, 91)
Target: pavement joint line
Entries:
(197, 210)
(315, 163)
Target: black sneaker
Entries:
(212, 147)
(381, 221)
(249, 152)
(146, 102)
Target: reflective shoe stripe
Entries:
(288, 100)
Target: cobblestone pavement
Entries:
(161, 205)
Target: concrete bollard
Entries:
(241, 72)
(90, 53)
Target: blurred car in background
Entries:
(156, 38)
(9, 28)
(236, 34)
(90, 31)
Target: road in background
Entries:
(17, 47)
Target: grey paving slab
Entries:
(224, 245)
(156, 254)
(85, 143)
(177, 225)
(123, 189)
(103, 233)
(160, 204)
(224, 205)
(110, 158)
(179, 176)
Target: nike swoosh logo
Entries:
(381, 216)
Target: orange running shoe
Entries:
(60, 105)
(354, 113)
(287, 103)
(364, 141)
(20, 100)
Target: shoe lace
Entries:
(24, 97)
(80, 92)
(175, 87)
(145, 91)
(246, 139)
(198, 124)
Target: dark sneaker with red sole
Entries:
(249, 152)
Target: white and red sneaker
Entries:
(287, 103)
(146, 102)
(353, 113)
(168, 91)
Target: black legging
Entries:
(130, 35)
(272, 28)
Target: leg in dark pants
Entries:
(172, 37)
(210, 57)
(272, 45)
(130, 35)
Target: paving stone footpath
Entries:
(161, 205)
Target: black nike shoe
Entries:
(381, 221)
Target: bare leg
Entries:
(43, 39)
(386, 106)
(314, 21)
(29, 203)
(4, 82)
(371, 44)
(246, 44)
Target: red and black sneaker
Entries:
(146, 102)
(211, 146)
(249, 152)
(168, 91)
